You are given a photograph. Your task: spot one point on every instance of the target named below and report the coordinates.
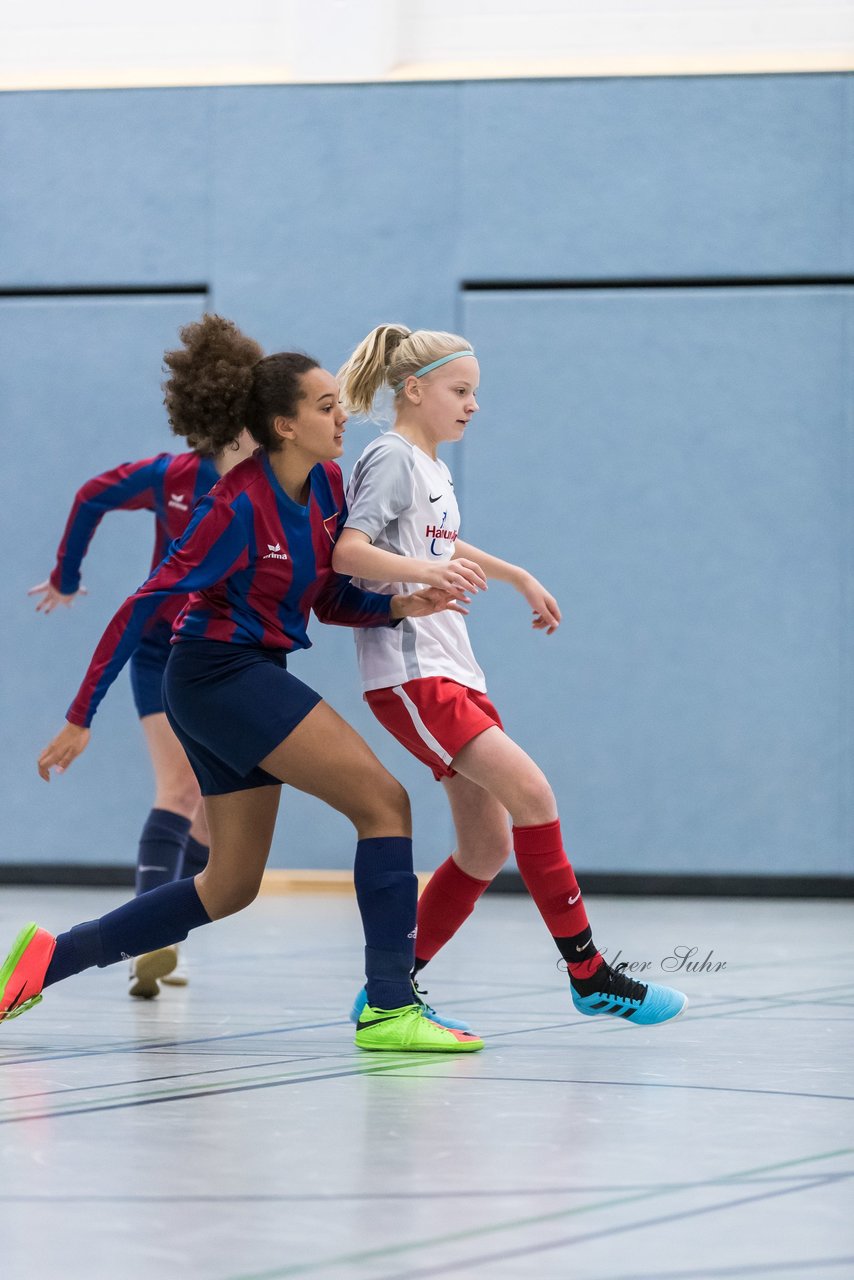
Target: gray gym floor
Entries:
(232, 1131)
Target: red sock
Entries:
(551, 882)
(447, 901)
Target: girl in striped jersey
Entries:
(422, 681)
(254, 560)
(174, 838)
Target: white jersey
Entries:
(404, 501)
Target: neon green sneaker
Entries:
(23, 970)
(405, 1030)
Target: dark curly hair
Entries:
(221, 382)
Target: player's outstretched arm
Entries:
(543, 604)
(128, 487)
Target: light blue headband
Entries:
(419, 373)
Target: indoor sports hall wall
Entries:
(658, 275)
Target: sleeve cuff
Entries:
(67, 587)
(361, 526)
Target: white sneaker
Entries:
(147, 970)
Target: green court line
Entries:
(367, 1255)
(9, 1100)
(242, 1084)
(657, 1084)
(215, 1087)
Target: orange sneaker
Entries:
(23, 971)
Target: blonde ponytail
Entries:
(389, 355)
(367, 369)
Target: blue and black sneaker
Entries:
(610, 991)
(427, 1011)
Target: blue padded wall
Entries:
(658, 178)
(79, 386)
(105, 188)
(676, 465)
(336, 209)
(703, 667)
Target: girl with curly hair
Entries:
(174, 838)
(255, 558)
(423, 682)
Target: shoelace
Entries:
(626, 988)
(419, 996)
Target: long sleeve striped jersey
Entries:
(254, 564)
(169, 485)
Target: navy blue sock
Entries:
(161, 847)
(387, 893)
(195, 857)
(154, 919)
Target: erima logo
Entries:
(275, 552)
(177, 500)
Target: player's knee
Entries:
(226, 899)
(396, 800)
(385, 807)
(484, 859)
(537, 801)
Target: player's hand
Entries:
(421, 604)
(65, 748)
(545, 607)
(50, 597)
(455, 575)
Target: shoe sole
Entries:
(21, 1008)
(472, 1047)
(175, 980)
(455, 1042)
(148, 970)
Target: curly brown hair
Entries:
(221, 382)
(211, 379)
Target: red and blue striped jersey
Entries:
(256, 563)
(169, 485)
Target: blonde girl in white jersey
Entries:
(422, 680)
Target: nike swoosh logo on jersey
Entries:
(436, 499)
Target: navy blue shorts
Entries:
(230, 705)
(147, 664)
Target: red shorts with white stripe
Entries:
(433, 718)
